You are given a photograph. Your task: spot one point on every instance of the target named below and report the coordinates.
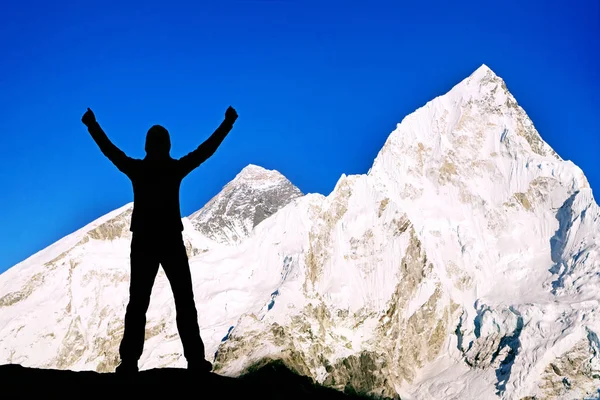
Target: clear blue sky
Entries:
(318, 86)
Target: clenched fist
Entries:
(88, 118)
(231, 114)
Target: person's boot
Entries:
(199, 366)
(127, 367)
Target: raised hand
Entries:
(88, 118)
(231, 114)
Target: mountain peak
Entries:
(254, 174)
(482, 81)
(253, 195)
(250, 168)
(485, 68)
(483, 72)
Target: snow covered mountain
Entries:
(254, 195)
(463, 265)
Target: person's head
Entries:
(158, 142)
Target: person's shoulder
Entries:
(176, 162)
(135, 164)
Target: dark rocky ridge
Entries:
(273, 382)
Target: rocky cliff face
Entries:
(464, 264)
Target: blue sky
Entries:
(318, 86)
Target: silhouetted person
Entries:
(157, 238)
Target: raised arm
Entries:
(192, 160)
(112, 152)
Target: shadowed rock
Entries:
(273, 381)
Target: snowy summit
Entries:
(252, 196)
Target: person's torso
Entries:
(156, 185)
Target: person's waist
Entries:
(157, 211)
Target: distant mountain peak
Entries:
(257, 176)
(252, 196)
(253, 169)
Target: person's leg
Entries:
(144, 266)
(175, 263)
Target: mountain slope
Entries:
(464, 264)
